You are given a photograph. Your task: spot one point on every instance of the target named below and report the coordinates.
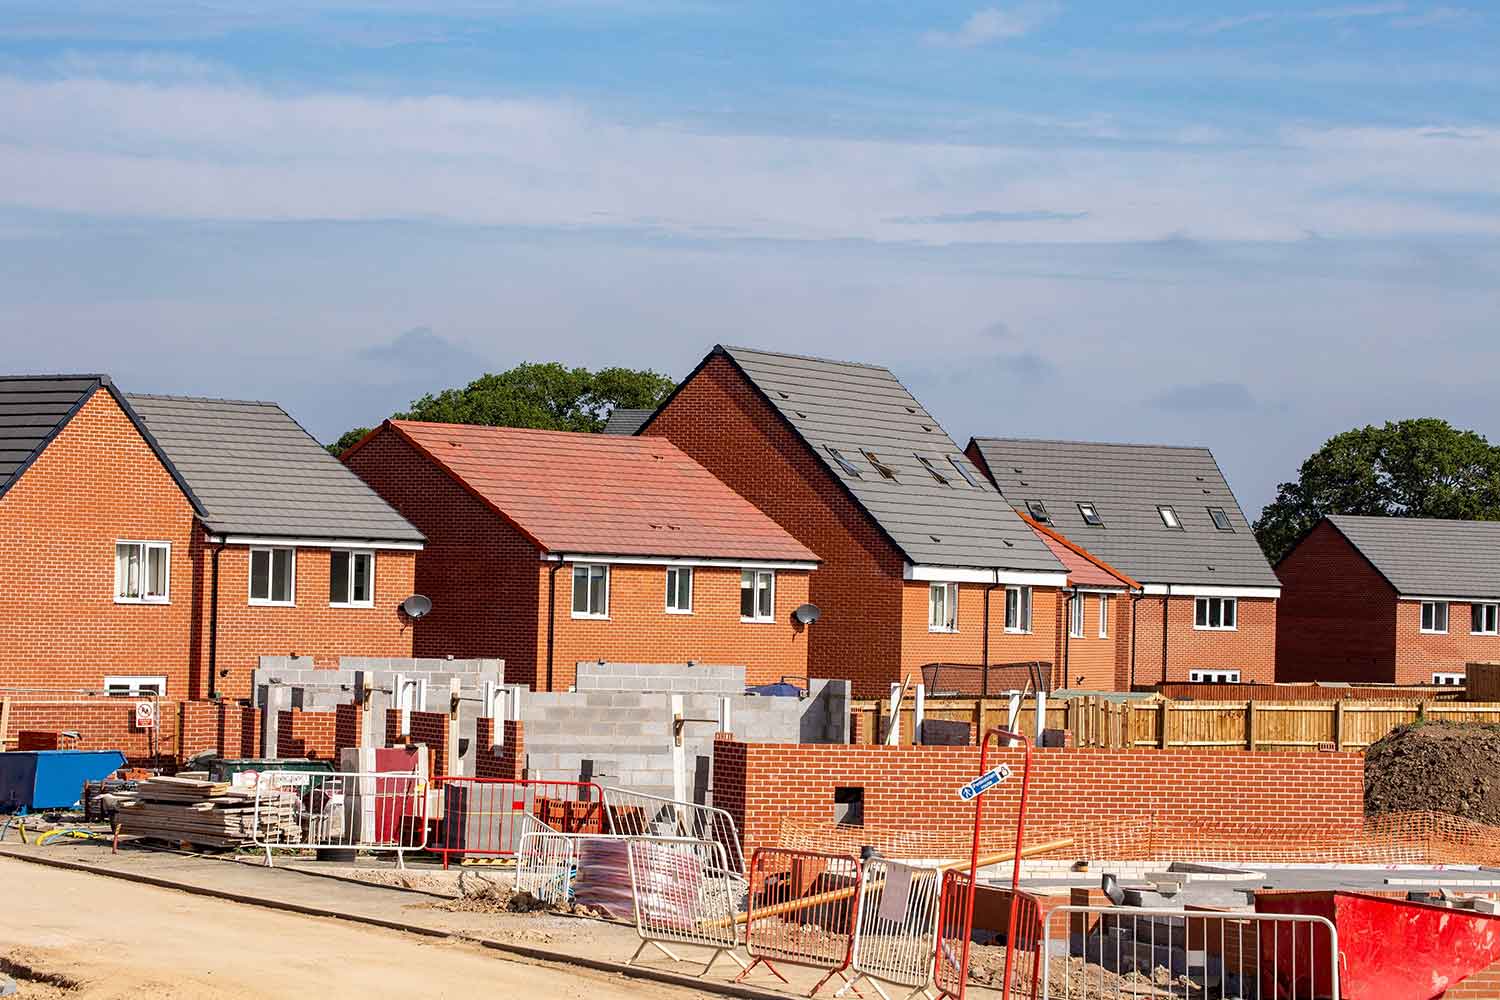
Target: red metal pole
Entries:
(1015, 865)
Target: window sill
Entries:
(1431, 631)
(142, 600)
(1017, 631)
(273, 604)
(679, 611)
(588, 618)
(757, 621)
(1215, 628)
(355, 604)
(942, 631)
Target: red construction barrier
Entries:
(989, 926)
(797, 914)
(485, 817)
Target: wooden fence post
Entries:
(1338, 724)
(1250, 724)
(1161, 733)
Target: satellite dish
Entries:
(416, 606)
(806, 614)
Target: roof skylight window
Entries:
(1169, 517)
(885, 471)
(1090, 515)
(927, 464)
(843, 462)
(963, 470)
(1221, 518)
(1038, 511)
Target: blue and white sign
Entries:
(984, 783)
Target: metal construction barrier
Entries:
(801, 911)
(640, 815)
(485, 818)
(547, 861)
(988, 927)
(1123, 953)
(894, 927)
(346, 811)
(683, 894)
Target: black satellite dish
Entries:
(416, 606)
(806, 614)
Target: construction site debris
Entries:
(204, 813)
(479, 894)
(1438, 766)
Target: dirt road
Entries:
(116, 939)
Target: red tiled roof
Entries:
(1084, 570)
(603, 494)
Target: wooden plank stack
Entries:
(205, 813)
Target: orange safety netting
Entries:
(1417, 838)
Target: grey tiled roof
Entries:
(257, 472)
(33, 408)
(1429, 557)
(626, 422)
(1127, 482)
(857, 408)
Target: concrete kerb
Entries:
(534, 956)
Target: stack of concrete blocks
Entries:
(616, 728)
(293, 682)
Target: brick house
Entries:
(129, 525)
(1165, 516)
(1389, 599)
(923, 561)
(1093, 631)
(550, 548)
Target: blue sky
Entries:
(1248, 226)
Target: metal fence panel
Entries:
(1117, 953)
(642, 815)
(895, 926)
(360, 811)
(801, 911)
(684, 894)
(988, 929)
(547, 861)
(486, 817)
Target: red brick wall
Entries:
(348, 724)
(1337, 620)
(1250, 648)
(311, 628)
(479, 571)
(1227, 795)
(1419, 655)
(1483, 985)
(921, 646)
(102, 724)
(506, 762)
(640, 630)
(307, 734)
(227, 728)
(1091, 662)
(96, 483)
(720, 421)
(427, 728)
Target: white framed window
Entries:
(1075, 616)
(1216, 613)
(1448, 680)
(757, 595)
(1220, 519)
(1435, 617)
(134, 686)
(1169, 517)
(1214, 676)
(1018, 609)
(1104, 616)
(143, 572)
(1090, 515)
(679, 590)
(351, 579)
(1038, 512)
(590, 590)
(942, 607)
(1484, 619)
(273, 576)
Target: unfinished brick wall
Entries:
(103, 724)
(229, 729)
(1337, 619)
(1222, 795)
(1250, 648)
(307, 734)
(427, 728)
(506, 762)
(348, 724)
(96, 483)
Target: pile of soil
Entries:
(1450, 767)
(478, 894)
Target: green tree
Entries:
(347, 440)
(547, 396)
(1407, 468)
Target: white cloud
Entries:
(191, 150)
(992, 24)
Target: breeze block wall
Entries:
(721, 422)
(480, 572)
(96, 483)
(1337, 615)
(1250, 648)
(1207, 797)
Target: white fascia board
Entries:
(1448, 600)
(961, 574)
(1101, 590)
(581, 557)
(1205, 590)
(315, 543)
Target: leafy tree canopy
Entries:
(547, 396)
(1407, 468)
(347, 440)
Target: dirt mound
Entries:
(1438, 766)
